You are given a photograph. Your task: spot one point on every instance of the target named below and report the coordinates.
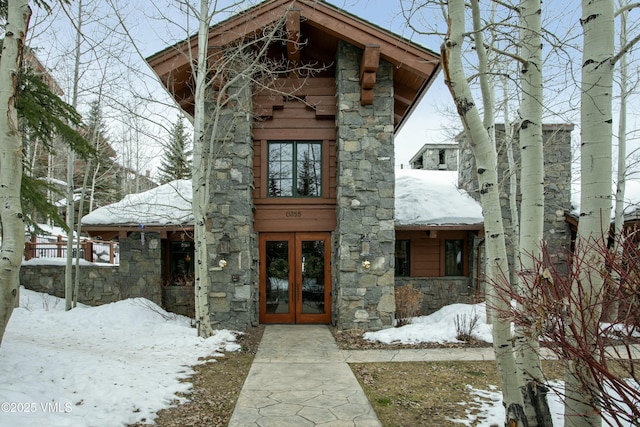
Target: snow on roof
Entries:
(167, 204)
(422, 198)
(631, 197)
(425, 197)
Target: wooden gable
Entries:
(313, 28)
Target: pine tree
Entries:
(176, 163)
(46, 122)
(103, 169)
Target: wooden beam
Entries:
(293, 39)
(368, 70)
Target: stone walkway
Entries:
(300, 378)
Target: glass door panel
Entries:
(312, 264)
(277, 286)
(295, 280)
(313, 298)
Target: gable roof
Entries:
(321, 27)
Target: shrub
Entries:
(408, 304)
(465, 324)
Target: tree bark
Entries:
(11, 216)
(618, 238)
(526, 346)
(68, 277)
(582, 407)
(486, 166)
(200, 181)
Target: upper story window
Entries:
(295, 169)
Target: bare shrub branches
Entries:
(562, 309)
(408, 303)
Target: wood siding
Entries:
(307, 116)
(427, 253)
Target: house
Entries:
(316, 245)
(435, 245)
(333, 249)
(436, 157)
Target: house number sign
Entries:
(293, 214)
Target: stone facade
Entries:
(233, 297)
(557, 166)
(138, 275)
(438, 292)
(436, 157)
(364, 298)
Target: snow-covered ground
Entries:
(95, 366)
(440, 327)
(120, 363)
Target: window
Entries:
(453, 258)
(402, 258)
(295, 169)
(181, 255)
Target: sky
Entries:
(431, 122)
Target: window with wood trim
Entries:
(403, 260)
(454, 257)
(294, 169)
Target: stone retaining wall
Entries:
(138, 275)
(438, 292)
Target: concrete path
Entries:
(300, 378)
(427, 355)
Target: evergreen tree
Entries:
(176, 162)
(46, 122)
(103, 173)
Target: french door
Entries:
(295, 278)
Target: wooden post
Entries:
(59, 246)
(88, 250)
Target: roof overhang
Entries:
(110, 231)
(457, 227)
(320, 27)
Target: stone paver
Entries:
(299, 377)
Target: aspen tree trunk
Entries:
(622, 156)
(68, 278)
(486, 165)
(11, 217)
(581, 405)
(200, 181)
(526, 346)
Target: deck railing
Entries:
(90, 250)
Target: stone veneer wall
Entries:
(138, 275)
(438, 292)
(364, 299)
(557, 164)
(234, 289)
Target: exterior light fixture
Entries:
(224, 250)
(365, 251)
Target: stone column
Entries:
(234, 288)
(364, 298)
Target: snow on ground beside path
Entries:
(439, 327)
(486, 408)
(101, 366)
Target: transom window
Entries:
(295, 169)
